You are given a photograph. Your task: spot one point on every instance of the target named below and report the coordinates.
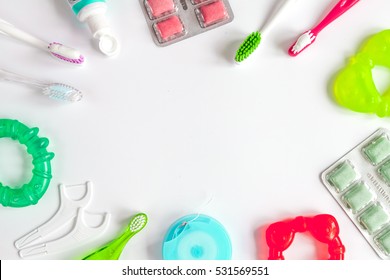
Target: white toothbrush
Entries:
(56, 91)
(250, 44)
(58, 50)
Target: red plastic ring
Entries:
(322, 227)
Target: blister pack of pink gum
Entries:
(360, 183)
(171, 21)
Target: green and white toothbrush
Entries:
(113, 250)
(253, 40)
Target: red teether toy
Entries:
(322, 227)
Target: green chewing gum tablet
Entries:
(384, 171)
(384, 242)
(378, 150)
(342, 176)
(374, 218)
(358, 197)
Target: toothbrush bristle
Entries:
(63, 92)
(138, 222)
(305, 40)
(78, 60)
(248, 46)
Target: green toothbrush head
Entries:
(113, 249)
(248, 46)
(138, 222)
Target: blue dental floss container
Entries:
(197, 237)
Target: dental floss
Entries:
(80, 233)
(67, 211)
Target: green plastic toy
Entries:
(32, 192)
(354, 87)
(113, 250)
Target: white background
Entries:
(161, 130)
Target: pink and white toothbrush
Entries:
(57, 50)
(308, 38)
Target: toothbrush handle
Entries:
(13, 77)
(10, 30)
(340, 8)
(276, 15)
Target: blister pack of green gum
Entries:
(360, 182)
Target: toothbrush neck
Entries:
(340, 8)
(276, 15)
(12, 31)
(119, 244)
(17, 78)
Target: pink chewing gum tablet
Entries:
(159, 8)
(171, 21)
(169, 29)
(212, 13)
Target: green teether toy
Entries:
(113, 250)
(354, 87)
(32, 192)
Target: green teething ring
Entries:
(33, 191)
(354, 86)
